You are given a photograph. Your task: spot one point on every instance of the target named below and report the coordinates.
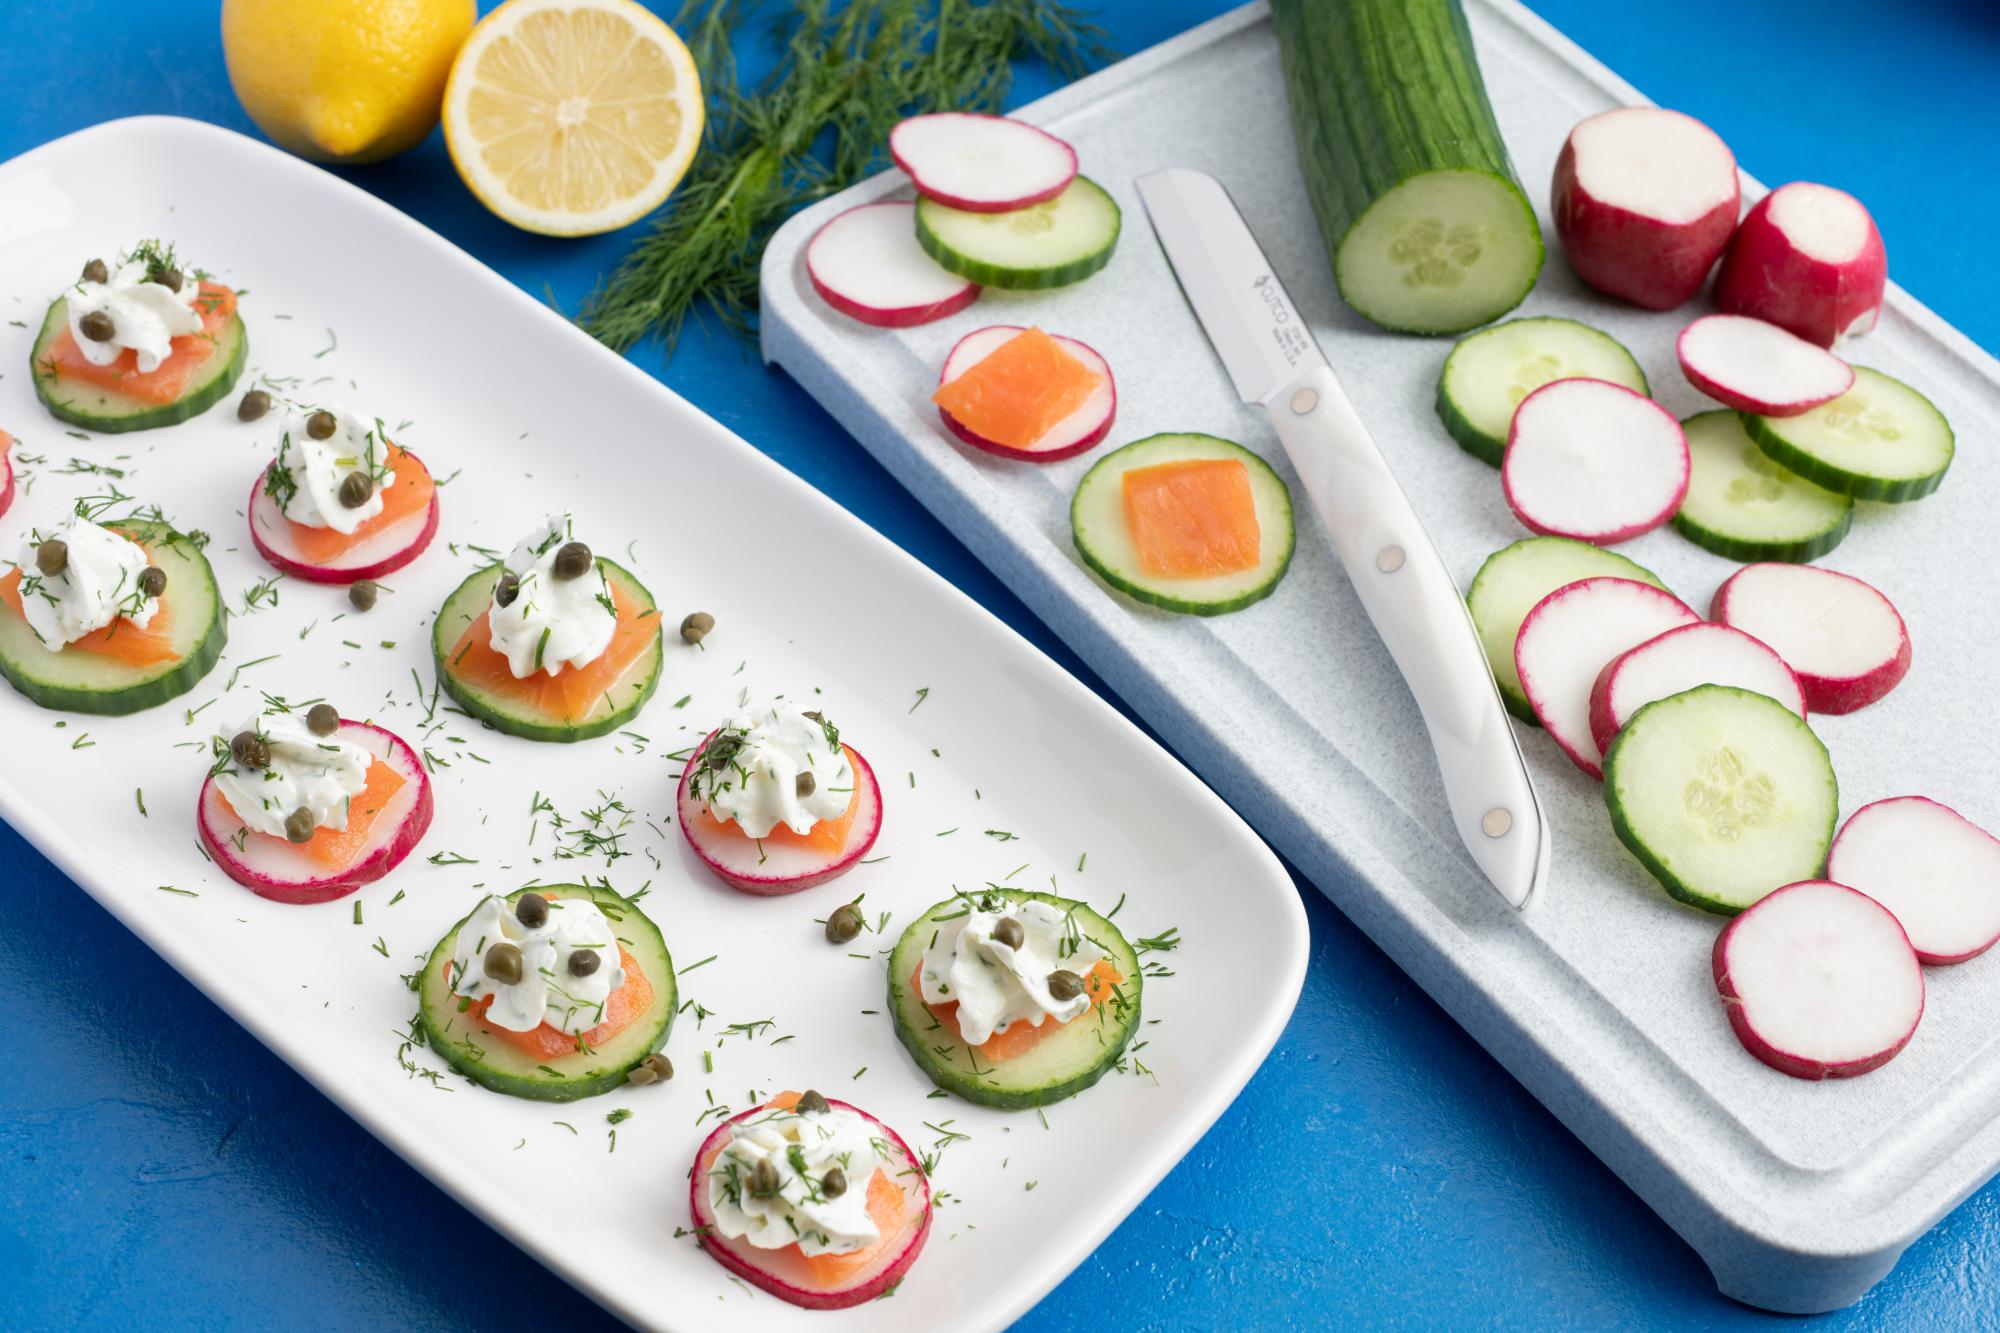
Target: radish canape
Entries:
(1752, 366)
(1840, 636)
(554, 992)
(1566, 642)
(1593, 461)
(1807, 258)
(341, 502)
(980, 163)
(141, 343)
(303, 806)
(1644, 200)
(866, 264)
(6, 471)
(1014, 999)
(774, 802)
(1023, 393)
(1935, 869)
(1684, 657)
(812, 1200)
(1819, 981)
(554, 644)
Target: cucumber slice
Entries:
(1051, 244)
(1510, 583)
(1743, 506)
(620, 704)
(1103, 539)
(80, 682)
(1061, 1064)
(469, 1048)
(1881, 440)
(110, 412)
(1489, 372)
(1723, 794)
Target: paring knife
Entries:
(1276, 364)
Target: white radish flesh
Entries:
(1756, 367)
(1819, 981)
(1075, 433)
(1593, 461)
(1680, 659)
(981, 164)
(1935, 869)
(1841, 637)
(866, 264)
(1809, 259)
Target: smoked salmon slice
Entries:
(167, 382)
(827, 836)
(1020, 392)
(569, 696)
(121, 640)
(1193, 518)
(411, 494)
(622, 1008)
(1020, 1038)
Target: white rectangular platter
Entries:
(971, 728)
(1599, 998)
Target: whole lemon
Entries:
(343, 80)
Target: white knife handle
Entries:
(1402, 581)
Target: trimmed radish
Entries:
(273, 868)
(1807, 258)
(1594, 461)
(1839, 635)
(1568, 638)
(372, 557)
(6, 471)
(1935, 869)
(1819, 981)
(771, 866)
(1752, 366)
(866, 264)
(980, 163)
(1680, 659)
(1644, 200)
(1073, 434)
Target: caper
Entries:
(764, 1180)
(696, 627)
(300, 824)
(834, 1183)
(662, 1067)
(1008, 931)
(532, 911)
(639, 1076)
(96, 271)
(584, 963)
(572, 561)
(362, 595)
(322, 424)
(322, 719)
(506, 588)
(844, 924)
(356, 489)
(255, 404)
(1065, 985)
(503, 963)
(812, 1104)
(152, 580)
(52, 557)
(806, 785)
(97, 326)
(170, 279)
(250, 750)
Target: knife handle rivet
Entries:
(1390, 559)
(1304, 401)
(1496, 822)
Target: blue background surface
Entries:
(159, 1168)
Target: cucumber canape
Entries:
(1743, 506)
(583, 983)
(1050, 244)
(1185, 522)
(341, 502)
(1052, 986)
(1489, 372)
(1881, 440)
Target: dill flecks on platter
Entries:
(817, 124)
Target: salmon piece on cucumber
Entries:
(121, 640)
(167, 382)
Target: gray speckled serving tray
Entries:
(1800, 1196)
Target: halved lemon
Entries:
(572, 117)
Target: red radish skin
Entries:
(1819, 981)
(1809, 259)
(866, 264)
(741, 1259)
(1681, 659)
(6, 471)
(772, 870)
(1753, 366)
(269, 868)
(1081, 431)
(380, 556)
(982, 163)
(1935, 869)
(1593, 461)
(1644, 201)
(1843, 639)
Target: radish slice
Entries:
(1644, 200)
(866, 264)
(981, 164)
(1072, 435)
(1756, 367)
(272, 868)
(1839, 635)
(1935, 869)
(783, 1272)
(1809, 259)
(1819, 981)
(378, 555)
(6, 471)
(1565, 642)
(768, 867)
(1680, 659)
(1594, 461)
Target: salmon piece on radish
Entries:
(1020, 391)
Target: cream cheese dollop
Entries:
(548, 992)
(320, 774)
(146, 316)
(799, 1210)
(307, 475)
(751, 771)
(99, 583)
(997, 986)
(551, 623)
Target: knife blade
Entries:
(1275, 363)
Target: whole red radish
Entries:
(1809, 259)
